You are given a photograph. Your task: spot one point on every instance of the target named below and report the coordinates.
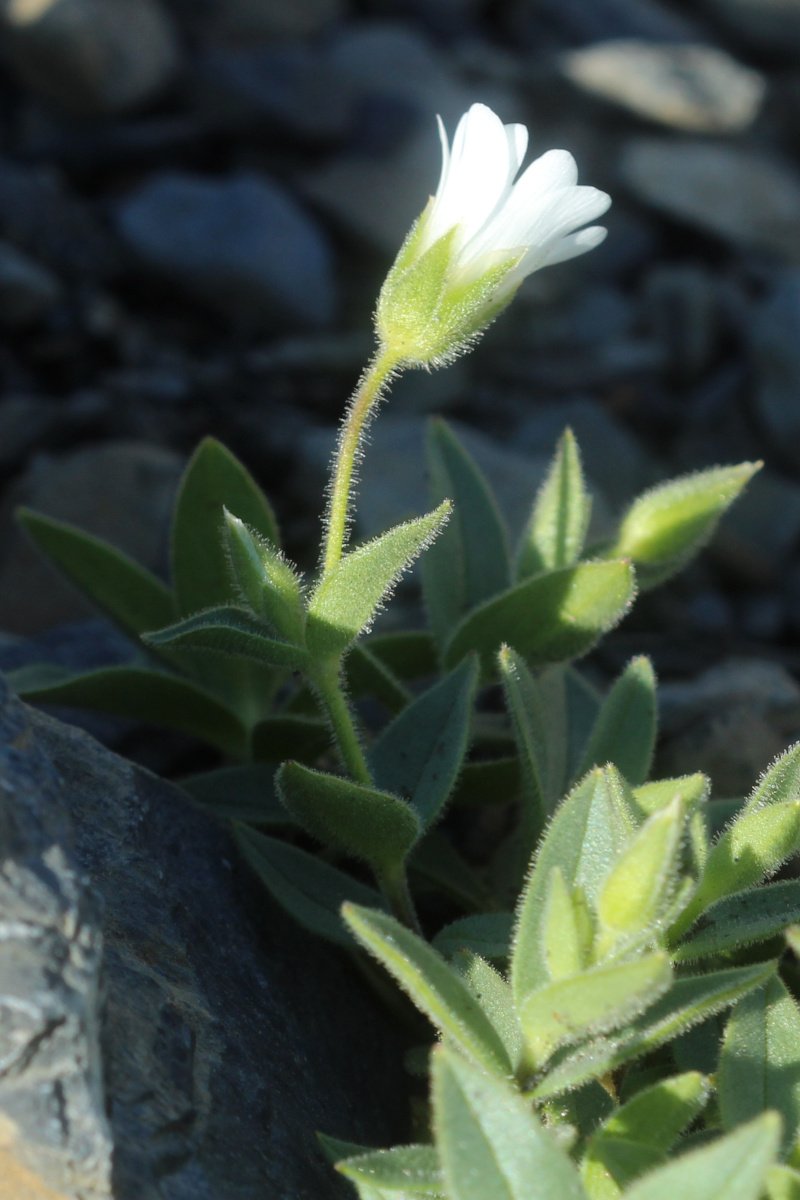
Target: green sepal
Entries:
(487, 934)
(626, 726)
(666, 526)
(347, 598)
(419, 755)
(311, 891)
(595, 1001)
(157, 697)
(490, 1144)
(740, 920)
(411, 1170)
(213, 479)
(567, 929)
(550, 618)
(432, 984)
(134, 598)
(470, 561)
(264, 579)
(783, 1183)
(555, 534)
(229, 631)
(759, 1063)
(362, 821)
(780, 782)
(692, 790)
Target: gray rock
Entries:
(775, 348)
(92, 56)
(691, 87)
(241, 245)
(166, 1032)
(261, 20)
(119, 491)
(28, 291)
(729, 722)
(681, 308)
(578, 23)
(735, 193)
(769, 25)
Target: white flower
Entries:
(479, 237)
(537, 216)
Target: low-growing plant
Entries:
(606, 973)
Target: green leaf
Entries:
(437, 866)
(689, 1001)
(692, 790)
(490, 1144)
(666, 526)
(213, 479)
(264, 580)
(730, 1168)
(759, 1065)
(637, 892)
(783, 1183)
(369, 824)
(126, 592)
(556, 532)
(346, 599)
(595, 1001)
(637, 1136)
(754, 915)
(413, 1170)
(408, 653)
(229, 631)
(141, 694)
(779, 783)
(566, 930)
(308, 889)
(581, 704)
(584, 839)
(470, 562)
(244, 793)
(550, 618)
(493, 994)
(625, 730)
(368, 675)
(433, 986)
(418, 756)
(487, 934)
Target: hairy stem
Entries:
(396, 891)
(326, 682)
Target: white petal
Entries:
(517, 146)
(574, 244)
(445, 155)
(477, 177)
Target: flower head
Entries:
(480, 236)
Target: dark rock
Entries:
(577, 23)
(92, 56)
(771, 26)
(774, 336)
(737, 194)
(682, 310)
(691, 87)
(27, 290)
(173, 1035)
(241, 245)
(246, 21)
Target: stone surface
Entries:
(691, 87)
(730, 722)
(775, 348)
(28, 291)
(768, 25)
(264, 20)
(241, 245)
(119, 491)
(171, 1035)
(92, 56)
(580, 23)
(737, 194)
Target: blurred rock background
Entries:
(199, 200)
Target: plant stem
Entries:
(367, 393)
(396, 891)
(326, 682)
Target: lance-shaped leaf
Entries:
(556, 531)
(637, 1136)
(493, 994)
(310, 890)
(369, 824)
(637, 892)
(241, 793)
(346, 599)
(731, 1168)
(567, 929)
(689, 1001)
(783, 1183)
(410, 1170)
(418, 756)
(126, 592)
(780, 782)
(213, 479)
(140, 694)
(550, 618)
(668, 525)
(264, 579)
(755, 915)
(470, 562)
(583, 840)
(759, 1065)
(599, 999)
(434, 987)
(490, 1144)
(487, 934)
(625, 730)
(230, 631)
(754, 846)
